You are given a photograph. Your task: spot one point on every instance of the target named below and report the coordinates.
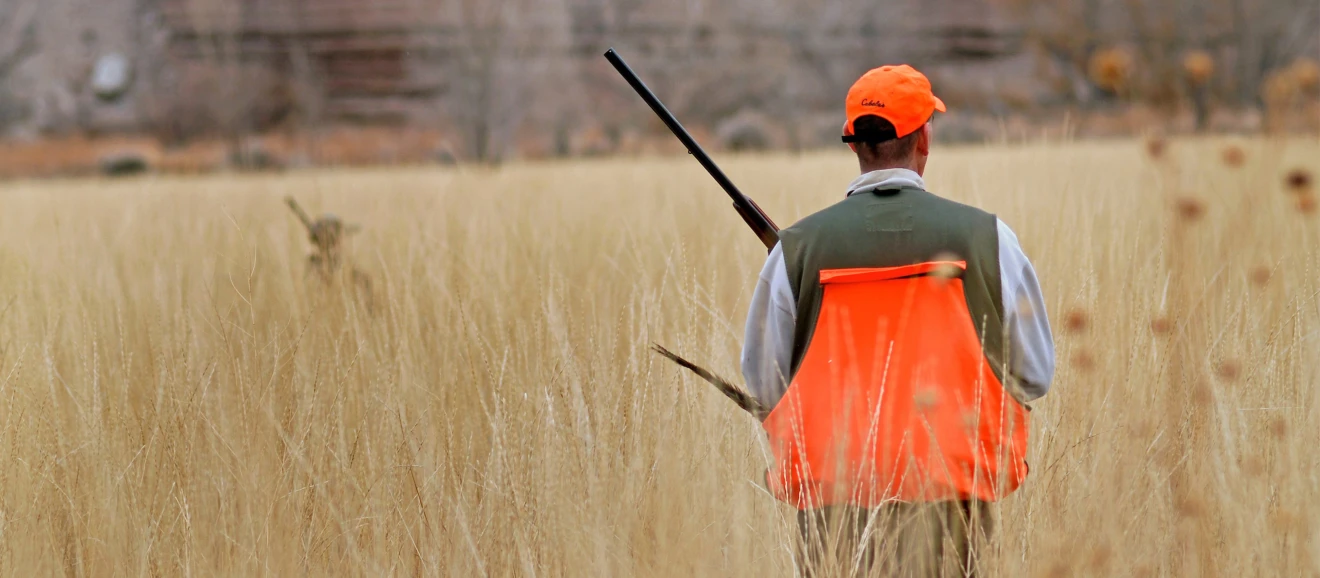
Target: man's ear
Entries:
(923, 141)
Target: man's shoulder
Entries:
(852, 208)
(948, 204)
(826, 217)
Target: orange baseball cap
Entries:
(898, 94)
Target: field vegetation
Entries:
(180, 396)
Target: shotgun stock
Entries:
(735, 394)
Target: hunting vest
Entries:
(897, 390)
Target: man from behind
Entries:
(898, 336)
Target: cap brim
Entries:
(939, 104)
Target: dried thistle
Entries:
(1083, 360)
(1284, 521)
(325, 233)
(1306, 203)
(1260, 275)
(1202, 395)
(946, 269)
(970, 421)
(946, 257)
(1253, 466)
(1155, 147)
(1279, 89)
(329, 256)
(1189, 507)
(1025, 309)
(1100, 556)
(1198, 67)
(1076, 320)
(1228, 369)
(1278, 428)
(926, 398)
(1060, 569)
(1165, 455)
(1189, 208)
(1110, 68)
(1143, 430)
(1298, 181)
(1233, 156)
(1305, 73)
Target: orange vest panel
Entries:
(895, 399)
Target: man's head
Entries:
(889, 111)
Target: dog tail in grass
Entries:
(731, 391)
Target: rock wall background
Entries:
(501, 78)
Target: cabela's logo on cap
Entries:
(869, 102)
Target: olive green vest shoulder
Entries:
(892, 227)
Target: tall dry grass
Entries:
(177, 396)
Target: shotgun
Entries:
(743, 399)
(751, 213)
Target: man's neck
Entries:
(870, 168)
(886, 177)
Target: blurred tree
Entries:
(1245, 38)
(17, 41)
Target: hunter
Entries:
(898, 337)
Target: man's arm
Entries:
(1031, 345)
(768, 344)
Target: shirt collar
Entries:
(885, 178)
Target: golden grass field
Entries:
(177, 396)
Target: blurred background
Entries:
(127, 86)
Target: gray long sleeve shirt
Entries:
(771, 319)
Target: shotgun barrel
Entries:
(751, 213)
